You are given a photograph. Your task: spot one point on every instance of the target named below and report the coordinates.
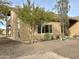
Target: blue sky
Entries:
(2, 25)
(49, 4)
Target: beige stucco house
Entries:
(73, 28)
(49, 27)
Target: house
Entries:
(56, 28)
(53, 28)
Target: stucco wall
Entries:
(56, 30)
(14, 25)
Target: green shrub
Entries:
(1, 30)
(48, 36)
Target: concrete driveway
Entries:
(10, 49)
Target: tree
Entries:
(34, 16)
(4, 10)
(63, 8)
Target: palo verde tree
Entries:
(30, 16)
(36, 16)
(33, 16)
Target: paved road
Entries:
(14, 49)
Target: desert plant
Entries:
(1, 31)
(48, 36)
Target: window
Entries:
(44, 28)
